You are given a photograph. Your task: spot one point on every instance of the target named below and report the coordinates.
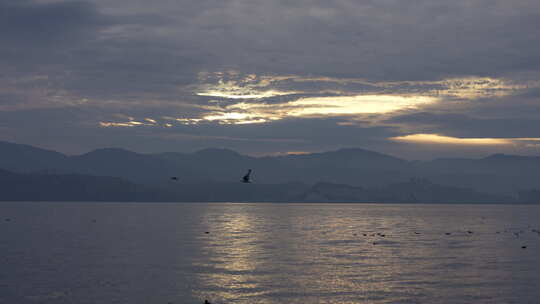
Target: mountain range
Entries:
(214, 175)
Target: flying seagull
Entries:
(246, 177)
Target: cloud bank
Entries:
(270, 76)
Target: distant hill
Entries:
(136, 167)
(76, 187)
(413, 191)
(496, 174)
(25, 158)
(73, 187)
(355, 166)
(348, 166)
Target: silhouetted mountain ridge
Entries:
(497, 173)
(25, 158)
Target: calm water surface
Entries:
(268, 253)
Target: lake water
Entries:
(268, 253)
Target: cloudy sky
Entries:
(418, 79)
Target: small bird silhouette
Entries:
(246, 178)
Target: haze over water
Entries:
(268, 253)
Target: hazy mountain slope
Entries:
(25, 158)
(76, 187)
(348, 166)
(497, 173)
(140, 168)
(73, 187)
(413, 191)
(211, 164)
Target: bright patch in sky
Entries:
(350, 105)
(247, 113)
(448, 140)
(326, 106)
(130, 123)
(234, 118)
(257, 112)
(232, 94)
(242, 99)
(249, 87)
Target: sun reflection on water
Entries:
(283, 256)
(234, 255)
(350, 253)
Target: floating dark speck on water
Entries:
(523, 247)
(447, 233)
(207, 232)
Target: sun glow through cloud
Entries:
(423, 138)
(244, 99)
(248, 113)
(245, 112)
(231, 85)
(350, 105)
(232, 94)
(307, 107)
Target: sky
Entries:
(418, 79)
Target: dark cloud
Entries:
(384, 40)
(32, 24)
(65, 66)
(37, 35)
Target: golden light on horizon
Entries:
(423, 138)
